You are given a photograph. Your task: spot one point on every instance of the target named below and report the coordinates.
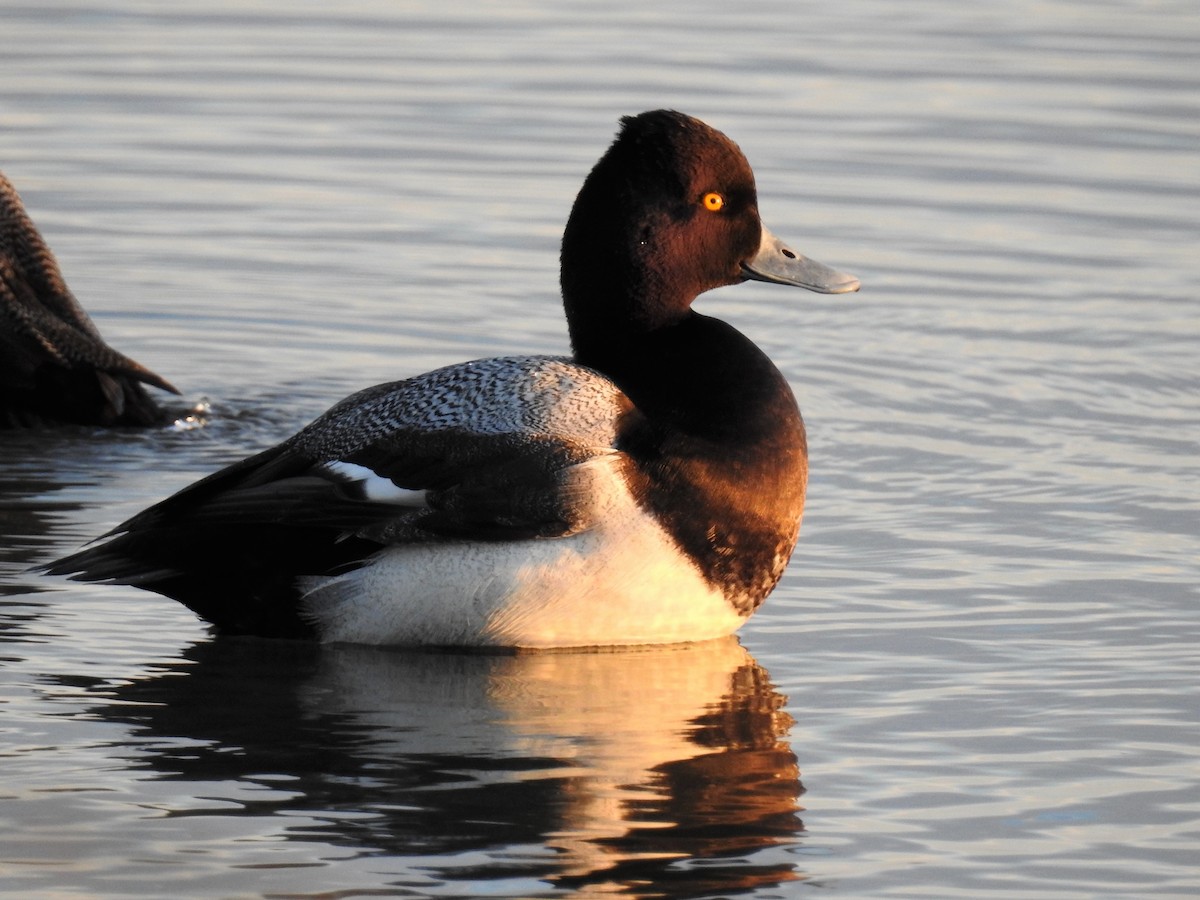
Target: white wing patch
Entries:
(374, 487)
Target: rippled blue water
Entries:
(978, 679)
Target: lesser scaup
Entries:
(647, 489)
(54, 366)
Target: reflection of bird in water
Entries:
(598, 772)
(54, 366)
(711, 779)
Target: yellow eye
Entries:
(713, 201)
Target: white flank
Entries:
(621, 582)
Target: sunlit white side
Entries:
(622, 581)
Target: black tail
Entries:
(231, 546)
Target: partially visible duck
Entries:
(648, 489)
(54, 366)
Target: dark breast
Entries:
(721, 456)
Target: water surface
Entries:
(978, 677)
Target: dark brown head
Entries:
(670, 211)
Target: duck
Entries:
(647, 488)
(55, 368)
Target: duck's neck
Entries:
(699, 376)
(628, 308)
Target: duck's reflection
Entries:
(660, 771)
